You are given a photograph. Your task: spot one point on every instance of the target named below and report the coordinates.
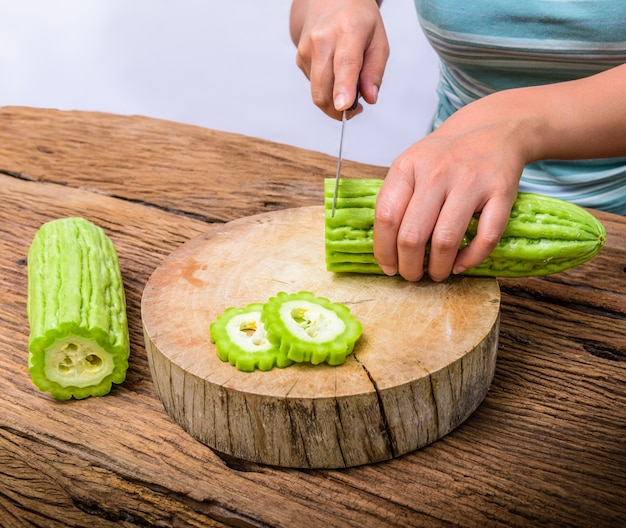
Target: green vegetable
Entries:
(544, 235)
(288, 328)
(240, 338)
(309, 328)
(76, 308)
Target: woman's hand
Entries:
(341, 44)
(472, 163)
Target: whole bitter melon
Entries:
(76, 308)
(544, 235)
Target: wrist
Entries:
(501, 120)
(529, 124)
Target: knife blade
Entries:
(339, 156)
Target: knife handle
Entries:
(356, 100)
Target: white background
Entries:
(228, 65)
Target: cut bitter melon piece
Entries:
(308, 328)
(240, 339)
(289, 328)
(544, 235)
(79, 343)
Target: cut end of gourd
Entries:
(311, 322)
(247, 332)
(77, 362)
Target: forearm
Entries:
(581, 119)
(585, 118)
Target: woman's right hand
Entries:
(341, 44)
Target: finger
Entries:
(415, 231)
(347, 63)
(447, 236)
(402, 223)
(374, 63)
(491, 225)
(391, 203)
(322, 77)
(303, 63)
(315, 58)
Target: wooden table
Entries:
(546, 448)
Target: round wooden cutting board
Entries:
(423, 364)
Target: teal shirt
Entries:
(491, 45)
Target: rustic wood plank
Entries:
(182, 168)
(546, 448)
(127, 434)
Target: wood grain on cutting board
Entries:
(423, 364)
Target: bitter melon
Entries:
(79, 343)
(289, 328)
(544, 235)
(309, 328)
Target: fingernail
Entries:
(375, 93)
(388, 270)
(458, 270)
(340, 101)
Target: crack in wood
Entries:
(602, 350)
(338, 433)
(386, 430)
(18, 175)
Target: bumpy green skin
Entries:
(329, 338)
(76, 310)
(240, 339)
(544, 235)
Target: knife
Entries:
(343, 126)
